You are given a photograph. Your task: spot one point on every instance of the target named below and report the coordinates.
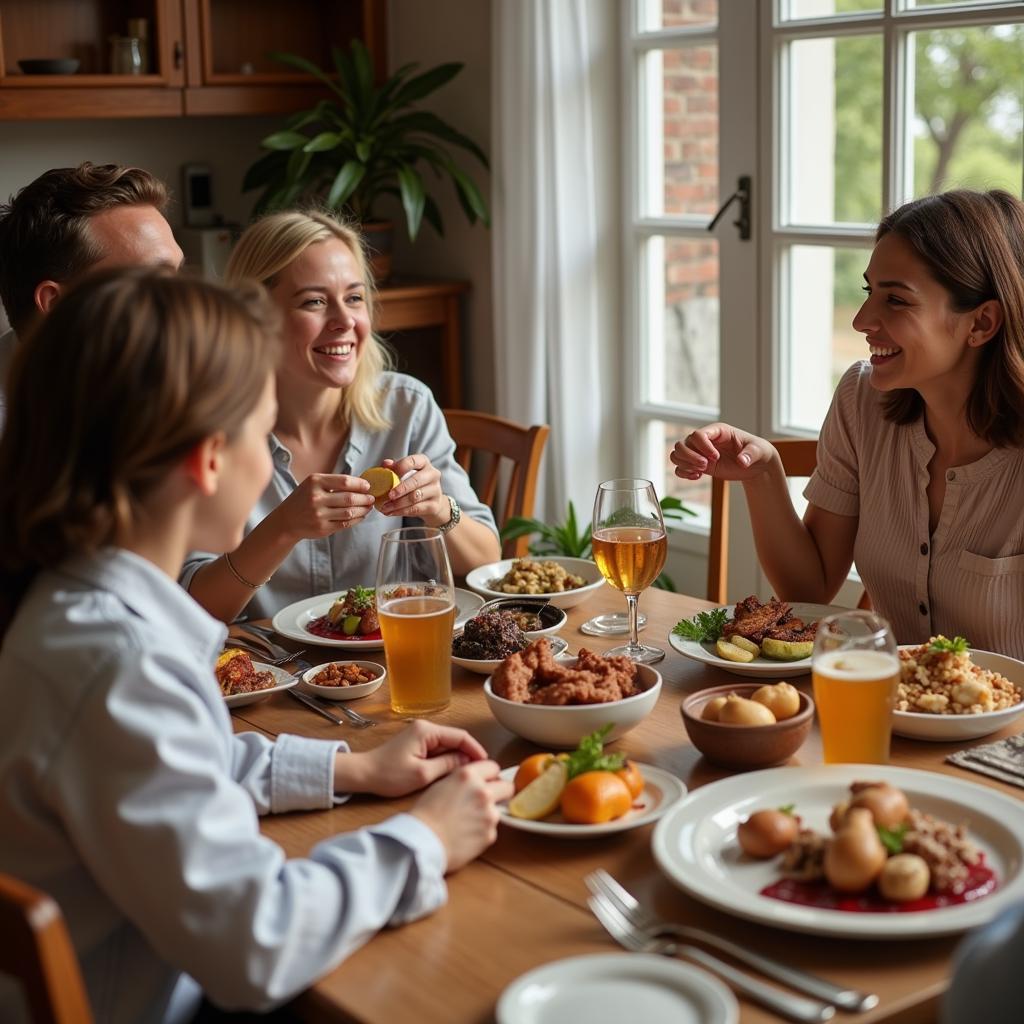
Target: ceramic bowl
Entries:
(745, 746)
(563, 726)
(344, 692)
(486, 667)
(552, 618)
(482, 580)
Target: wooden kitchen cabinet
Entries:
(204, 56)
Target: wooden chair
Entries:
(799, 457)
(496, 439)
(35, 948)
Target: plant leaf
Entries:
(322, 142)
(264, 171)
(433, 215)
(413, 198)
(345, 183)
(298, 162)
(469, 197)
(363, 69)
(674, 508)
(301, 64)
(285, 140)
(422, 85)
(364, 147)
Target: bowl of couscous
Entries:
(561, 581)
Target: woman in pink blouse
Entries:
(920, 474)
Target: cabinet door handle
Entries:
(178, 54)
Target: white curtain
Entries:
(556, 237)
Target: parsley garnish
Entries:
(788, 809)
(362, 597)
(589, 756)
(704, 626)
(958, 645)
(892, 838)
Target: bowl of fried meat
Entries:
(555, 702)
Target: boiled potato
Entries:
(711, 709)
(731, 652)
(785, 650)
(745, 644)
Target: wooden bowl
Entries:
(745, 746)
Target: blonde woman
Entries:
(341, 411)
(124, 793)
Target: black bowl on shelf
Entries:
(49, 66)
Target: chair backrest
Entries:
(799, 457)
(35, 948)
(495, 439)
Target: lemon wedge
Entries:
(381, 481)
(541, 797)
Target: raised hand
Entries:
(418, 495)
(722, 451)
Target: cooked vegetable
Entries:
(731, 652)
(704, 627)
(712, 709)
(786, 650)
(740, 711)
(744, 644)
(904, 877)
(887, 804)
(766, 833)
(782, 700)
(856, 856)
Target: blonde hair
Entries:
(275, 241)
(129, 372)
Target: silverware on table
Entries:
(314, 706)
(354, 717)
(646, 921)
(259, 636)
(261, 653)
(792, 1007)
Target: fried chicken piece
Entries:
(793, 631)
(752, 619)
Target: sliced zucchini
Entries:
(744, 644)
(731, 652)
(786, 650)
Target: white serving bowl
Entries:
(344, 692)
(481, 580)
(565, 725)
(486, 666)
(920, 725)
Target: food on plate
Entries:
(533, 676)
(529, 577)
(489, 636)
(939, 678)
(353, 615)
(740, 711)
(588, 786)
(768, 629)
(767, 833)
(882, 855)
(343, 673)
(781, 699)
(381, 481)
(236, 674)
(525, 620)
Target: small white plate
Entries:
(609, 988)
(292, 620)
(482, 579)
(284, 681)
(920, 725)
(760, 667)
(343, 692)
(485, 668)
(695, 845)
(661, 791)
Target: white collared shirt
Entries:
(125, 795)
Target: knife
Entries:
(313, 706)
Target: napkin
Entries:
(1003, 760)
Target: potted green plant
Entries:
(568, 539)
(364, 142)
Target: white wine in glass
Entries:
(629, 545)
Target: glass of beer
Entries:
(856, 667)
(416, 608)
(629, 545)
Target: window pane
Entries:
(822, 292)
(797, 9)
(967, 90)
(683, 85)
(833, 169)
(682, 321)
(655, 14)
(947, 3)
(694, 494)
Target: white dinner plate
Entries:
(760, 667)
(661, 790)
(920, 725)
(486, 666)
(695, 845)
(609, 988)
(284, 681)
(482, 579)
(292, 620)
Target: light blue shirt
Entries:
(349, 557)
(125, 795)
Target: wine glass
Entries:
(416, 608)
(629, 545)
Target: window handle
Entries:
(742, 196)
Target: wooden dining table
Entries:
(522, 903)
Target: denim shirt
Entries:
(349, 557)
(125, 795)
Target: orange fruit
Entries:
(381, 480)
(595, 797)
(529, 770)
(630, 775)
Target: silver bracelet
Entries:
(238, 576)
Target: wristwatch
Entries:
(456, 515)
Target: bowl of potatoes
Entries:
(748, 725)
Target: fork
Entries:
(262, 636)
(805, 1011)
(276, 661)
(357, 720)
(601, 883)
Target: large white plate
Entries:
(695, 845)
(759, 668)
(292, 620)
(285, 681)
(609, 988)
(482, 579)
(661, 791)
(920, 725)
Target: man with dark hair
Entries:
(67, 222)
